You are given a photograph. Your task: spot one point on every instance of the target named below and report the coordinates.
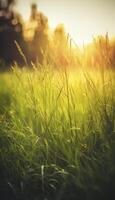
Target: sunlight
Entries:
(81, 21)
(80, 35)
(57, 100)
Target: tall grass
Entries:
(57, 133)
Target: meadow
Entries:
(57, 107)
(57, 133)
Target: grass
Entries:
(57, 134)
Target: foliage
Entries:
(57, 134)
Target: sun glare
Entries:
(77, 31)
(80, 21)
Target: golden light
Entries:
(83, 20)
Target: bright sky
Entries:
(83, 19)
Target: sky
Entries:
(83, 19)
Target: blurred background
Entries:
(47, 31)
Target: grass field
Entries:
(57, 134)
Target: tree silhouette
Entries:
(10, 31)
